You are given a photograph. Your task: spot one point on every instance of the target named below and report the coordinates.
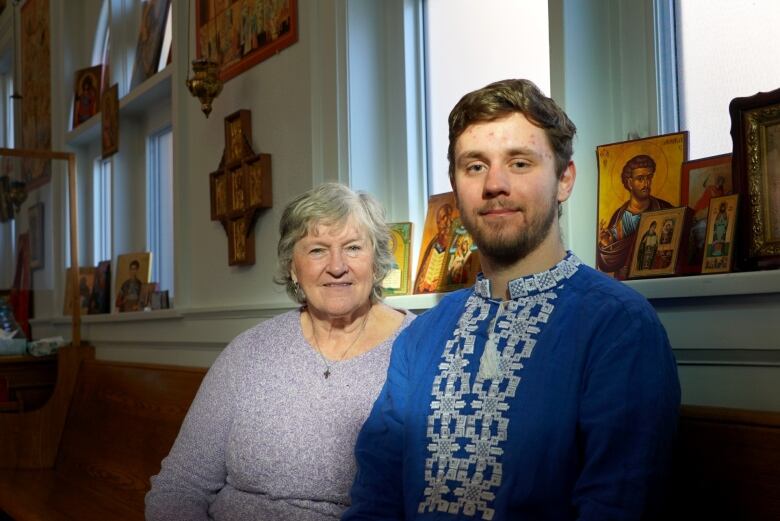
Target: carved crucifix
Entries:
(240, 187)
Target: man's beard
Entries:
(505, 244)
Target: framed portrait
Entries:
(755, 134)
(659, 240)
(86, 94)
(100, 299)
(702, 180)
(154, 14)
(36, 229)
(159, 300)
(86, 282)
(145, 299)
(240, 34)
(449, 259)
(132, 272)
(719, 243)
(396, 281)
(109, 109)
(634, 177)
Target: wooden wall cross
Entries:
(239, 188)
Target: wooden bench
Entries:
(726, 465)
(122, 421)
(29, 381)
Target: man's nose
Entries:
(496, 181)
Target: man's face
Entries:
(640, 183)
(506, 186)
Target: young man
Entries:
(546, 391)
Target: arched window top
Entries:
(100, 44)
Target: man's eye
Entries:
(475, 168)
(519, 164)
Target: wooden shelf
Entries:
(744, 283)
(695, 286)
(148, 93)
(87, 132)
(137, 102)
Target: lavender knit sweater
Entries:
(268, 437)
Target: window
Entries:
(159, 207)
(101, 210)
(466, 48)
(167, 39)
(101, 43)
(725, 50)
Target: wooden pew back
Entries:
(123, 420)
(726, 465)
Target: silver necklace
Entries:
(326, 373)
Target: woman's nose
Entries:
(336, 264)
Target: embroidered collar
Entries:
(534, 283)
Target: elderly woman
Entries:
(271, 432)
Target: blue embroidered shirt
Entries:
(558, 403)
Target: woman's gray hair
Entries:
(332, 204)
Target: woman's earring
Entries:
(299, 294)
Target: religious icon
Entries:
(659, 239)
(634, 177)
(86, 102)
(396, 281)
(719, 244)
(703, 180)
(240, 188)
(133, 270)
(449, 259)
(86, 281)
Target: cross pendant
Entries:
(326, 374)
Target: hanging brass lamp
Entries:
(205, 84)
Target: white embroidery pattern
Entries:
(467, 426)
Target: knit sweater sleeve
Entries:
(195, 470)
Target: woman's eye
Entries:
(317, 251)
(354, 249)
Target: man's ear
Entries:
(566, 182)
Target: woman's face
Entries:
(334, 267)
